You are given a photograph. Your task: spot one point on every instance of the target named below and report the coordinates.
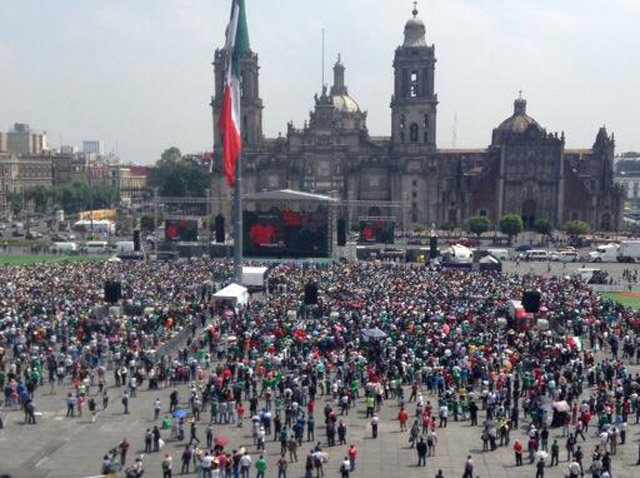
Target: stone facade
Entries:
(525, 170)
(19, 174)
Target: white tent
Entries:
(233, 293)
(254, 276)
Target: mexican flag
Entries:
(237, 45)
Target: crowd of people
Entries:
(413, 344)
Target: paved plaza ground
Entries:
(59, 447)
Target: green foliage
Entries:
(479, 225)
(511, 225)
(448, 227)
(147, 223)
(176, 176)
(16, 203)
(544, 226)
(577, 228)
(75, 197)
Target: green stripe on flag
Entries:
(242, 38)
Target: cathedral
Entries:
(405, 177)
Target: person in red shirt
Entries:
(352, 452)
(311, 407)
(222, 462)
(240, 413)
(586, 418)
(403, 416)
(517, 448)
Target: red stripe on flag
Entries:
(231, 140)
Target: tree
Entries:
(147, 223)
(511, 225)
(479, 225)
(577, 228)
(544, 226)
(16, 202)
(177, 176)
(41, 196)
(74, 197)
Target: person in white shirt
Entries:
(374, 425)
(574, 469)
(345, 467)
(245, 465)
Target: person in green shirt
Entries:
(261, 466)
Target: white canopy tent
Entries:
(254, 276)
(234, 294)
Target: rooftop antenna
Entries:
(323, 58)
(454, 137)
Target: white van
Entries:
(123, 246)
(97, 247)
(502, 254)
(64, 247)
(568, 256)
(536, 255)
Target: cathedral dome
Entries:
(519, 122)
(345, 104)
(415, 31)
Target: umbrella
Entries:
(221, 441)
(180, 414)
(374, 333)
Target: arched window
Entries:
(414, 91)
(374, 211)
(414, 133)
(403, 126)
(426, 128)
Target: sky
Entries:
(137, 73)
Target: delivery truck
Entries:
(604, 253)
(629, 251)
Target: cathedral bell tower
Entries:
(414, 104)
(251, 104)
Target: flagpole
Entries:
(237, 231)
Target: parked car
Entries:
(523, 248)
(33, 235)
(59, 237)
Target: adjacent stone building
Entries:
(525, 170)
